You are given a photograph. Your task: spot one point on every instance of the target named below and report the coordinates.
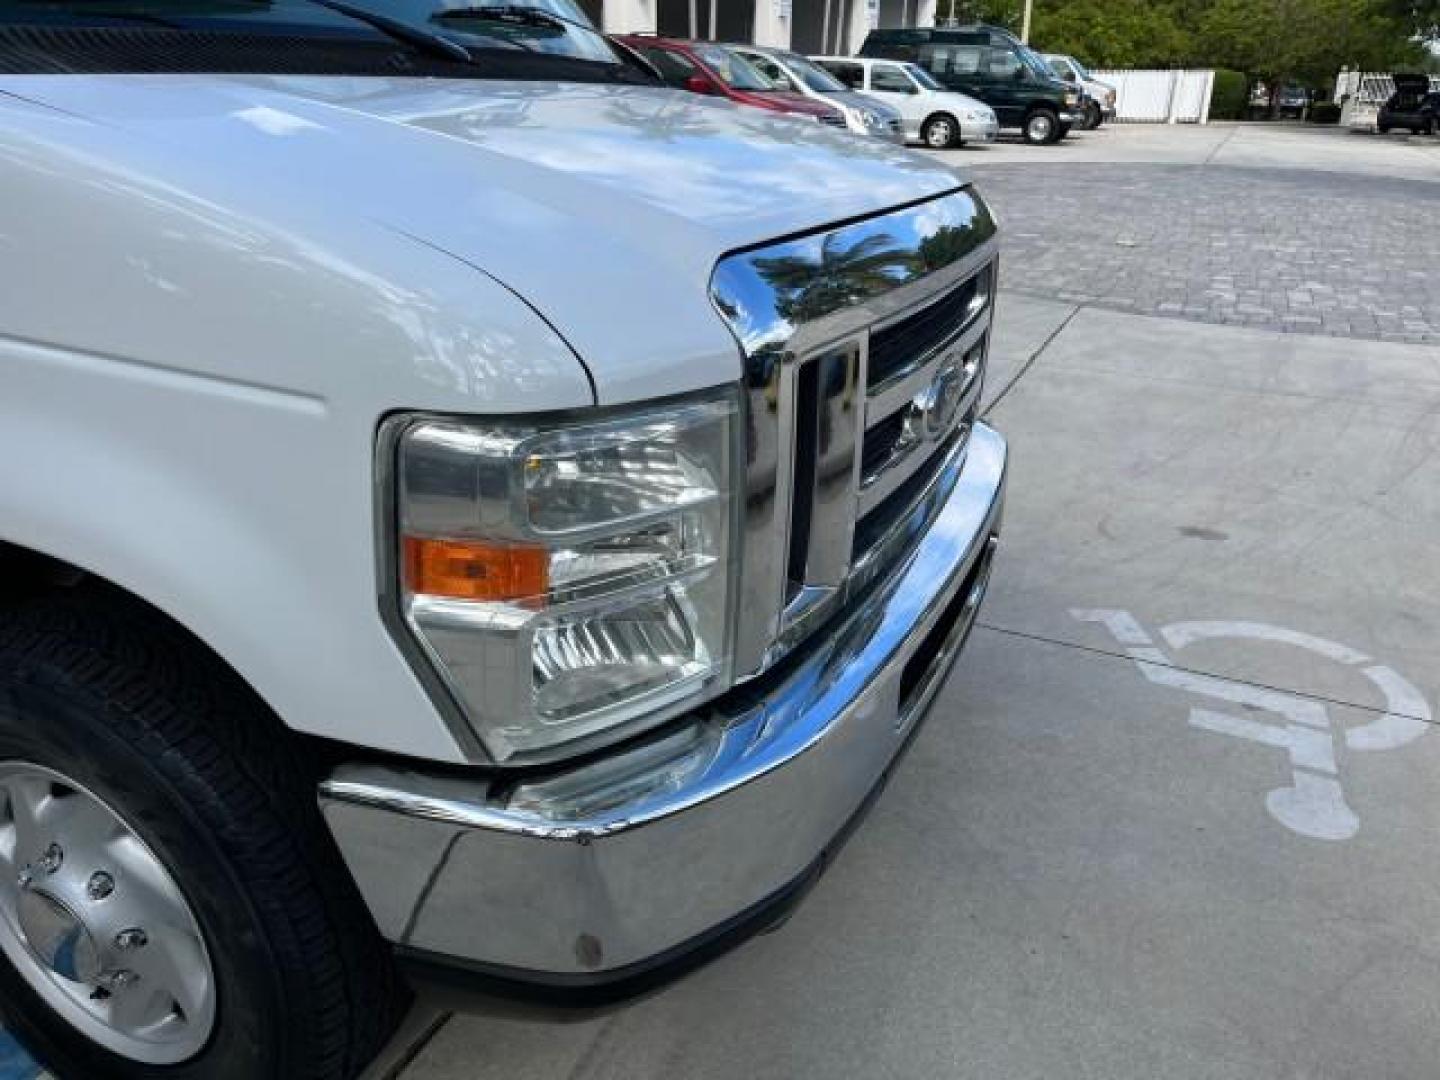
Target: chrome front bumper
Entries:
(582, 877)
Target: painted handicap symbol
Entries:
(1314, 803)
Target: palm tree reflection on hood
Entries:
(808, 287)
(954, 242)
(812, 283)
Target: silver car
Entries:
(932, 115)
(864, 115)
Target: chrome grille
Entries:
(908, 342)
(864, 349)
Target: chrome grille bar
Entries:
(803, 311)
(929, 419)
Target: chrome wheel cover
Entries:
(1040, 128)
(95, 923)
(939, 134)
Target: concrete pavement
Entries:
(1176, 811)
(1311, 230)
(1273, 146)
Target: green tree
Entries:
(1114, 33)
(1305, 41)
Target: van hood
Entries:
(604, 207)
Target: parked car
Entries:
(931, 115)
(993, 66)
(1288, 100)
(703, 67)
(1413, 106)
(1293, 101)
(1099, 103)
(787, 70)
(463, 505)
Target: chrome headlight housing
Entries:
(569, 582)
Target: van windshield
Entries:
(451, 37)
(923, 77)
(1034, 61)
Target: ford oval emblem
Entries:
(942, 401)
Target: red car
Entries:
(703, 67)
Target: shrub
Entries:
(1325, 113)
(1228, 98)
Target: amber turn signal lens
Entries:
(474, 570)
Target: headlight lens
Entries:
(571, 580)
(1072, 99)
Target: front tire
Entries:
(940, 132)
(110, 714)
(1041, 127)
(1093, 117)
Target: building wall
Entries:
(784, 24)
(630, 16)
(770, 27)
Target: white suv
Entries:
(932, 115)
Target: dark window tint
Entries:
(886, 78)
(674, 67)
(1001, 63)
(951, 59)
(851, 75)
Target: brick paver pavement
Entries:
(1302, 251)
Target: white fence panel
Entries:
(1191, 103)
(1161, 97)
